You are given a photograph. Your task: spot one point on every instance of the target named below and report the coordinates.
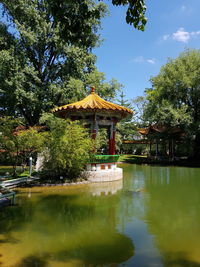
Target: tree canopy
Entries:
(46, 54)
(135, 14)
(175, 95)
(45, 49)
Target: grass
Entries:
(138, 159)
(9, 169)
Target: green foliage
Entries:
(8, 140)
(19, 145)
(45, 53)
(31, 141)
(167, 114)
(67, 150)
(47, 46)
(124, 102)
(139, 104)
(135, 14)
(175, 96)
(127, 130)
(101, 142)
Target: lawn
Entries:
(133, 158)
(8, 171)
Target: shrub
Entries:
(68, 148)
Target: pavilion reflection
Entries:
(105, 188)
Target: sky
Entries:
(133, 57)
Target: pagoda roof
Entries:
(93, 102)
(161, 129)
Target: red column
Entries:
(112, 139)
(110, 147)
(94, 134)
(113, 144)
(94, 131)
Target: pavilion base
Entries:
(104, 172)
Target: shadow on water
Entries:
(113, 248)
(179, 259)
(14, 218)
(94, 244)
(9, 239)
(33, 261)
(80, 226)
(65, 208)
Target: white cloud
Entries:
(141, 59)
(195, 33)
(181, 35)
(186, 10)
(183, 8)
(166, 37)
(151, 61)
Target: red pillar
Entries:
(94, 134)
(113, 144)
(110, 147)
(94, 131)
(112, 139)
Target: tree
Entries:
(126, 127)
(175, 95)
(9, 141)
(19, 143)
(67, 148)
(48, 45)
(139, 104)
(124, 102)
(135, 14)
(31, 142)
(45, 48)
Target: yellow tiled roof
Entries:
(93, 102)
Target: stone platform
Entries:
(106, 172)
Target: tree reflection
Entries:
(173, 213)
(66, 225)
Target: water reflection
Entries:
(72, 227)
(105, 188)
(157, 208)
(169, 208)
(174, 197)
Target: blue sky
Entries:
(132, 57)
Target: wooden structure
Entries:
(95, 112)
(164, 138)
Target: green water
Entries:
(150, 218)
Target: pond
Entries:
(150, 218)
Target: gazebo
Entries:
(164, 138)
(96, 112)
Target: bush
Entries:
(68, 148)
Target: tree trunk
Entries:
(196, 148)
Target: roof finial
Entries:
(93, 89)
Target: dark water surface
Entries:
(150, 218)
